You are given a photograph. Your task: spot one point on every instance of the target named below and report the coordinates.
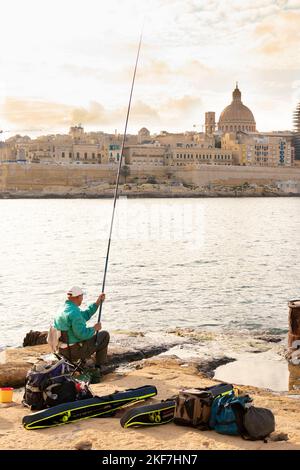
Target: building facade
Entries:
(259, 149)
(296, 139)
(194, 156)
(147, 155)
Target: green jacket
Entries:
(73, 320)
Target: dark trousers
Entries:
(85, 349)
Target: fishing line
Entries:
(118, 178)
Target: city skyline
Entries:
(68, 63)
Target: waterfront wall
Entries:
(227, 175)
(41, 178)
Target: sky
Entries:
(65, 62)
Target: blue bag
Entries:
(226, 414)
(50, 384)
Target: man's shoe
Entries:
(95, 376)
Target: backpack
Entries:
(52, 384)
(193, 406)
(236, 416)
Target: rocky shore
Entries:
(169, 375)
(182, 357)
(148, 190)
(206, 350)
(124, 348)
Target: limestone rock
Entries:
(12, 374)
(34, 338)
(15, 362)
(279, 436)
(83, 445)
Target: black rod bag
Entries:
(149, 415)
(83, 409)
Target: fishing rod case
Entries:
(149, 415)
(82, 409)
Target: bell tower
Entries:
(210, 122)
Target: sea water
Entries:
(221, 264)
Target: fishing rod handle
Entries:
(99, 318)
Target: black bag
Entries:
(258, 423)
(56, 394)
(52, 384)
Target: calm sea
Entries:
(218, 264)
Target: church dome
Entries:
(144, 130)
(236, 116)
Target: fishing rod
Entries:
(118, 179)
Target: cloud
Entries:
(33, 113)
(181, 113)
(280, 38)
(186, 104)
(36, 114)
(148, 69)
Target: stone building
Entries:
(296, 139)
(147, 155)
(195, 156)
(8, 153)
(260, 149)
(169, 138)
(236, 117)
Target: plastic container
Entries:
(6, 394)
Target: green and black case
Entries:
(82, 409)
(149, 415)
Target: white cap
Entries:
(75, 291)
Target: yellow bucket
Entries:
(6, 394)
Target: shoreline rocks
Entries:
(34, 338)
(128, 349)
(15, 362)
(157, 190)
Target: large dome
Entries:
(236, 116)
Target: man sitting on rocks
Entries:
(78, 340)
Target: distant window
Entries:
(85, 156)
(77, 156)
(62, 154)
(70, 154)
